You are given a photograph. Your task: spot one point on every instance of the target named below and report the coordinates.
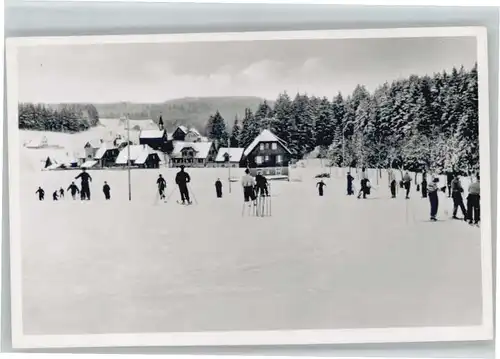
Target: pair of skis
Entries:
(261, 207)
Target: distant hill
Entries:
(189, 111)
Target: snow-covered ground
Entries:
(319, 262)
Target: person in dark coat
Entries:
(320, 186)
(162, 185)
(61, 193)
(182, 179)
(364, 182)
(433, 198)
(350, 178)
(449, 179)
(107, 191)
(85, 178)
(55, 196)
(392, 182)
(41, 194)
(458, 201)
(261, 185)
(407, 184)
(424, 185)
(218, 188)
(73, 189)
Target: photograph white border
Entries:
(233, 338)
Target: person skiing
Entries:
(473, 202)
(73, 189)
(350, 178)
(261, 185)
(107, 191)
(407, 184)
(41, 194)
(248, 183)
(61, 193)
(218, 188)
(449, 179)
(162, 185)
(54, 196)
(392, 182)
(364, 182)
(456, 194)
(424, 185)
(85, 178)
(320, 186)
(182, 179)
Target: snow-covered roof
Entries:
(183, 128)
(102, 150)
(136, 151)
(89, 164)
(152, 134)
(235, 154)
(195, 131)
(265, 136)
(93, 143)
(202, 148)
(38, 142)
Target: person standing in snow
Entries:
(55, 196)
(364, 184)
(73, 189)
(392, 182)
(41, 194)
(407, 184)
(473, 202)
(248, 183)
(433, 197)
(182, 179)
(85, 178)
(449, 179)
(456, 195)
(218, 188)
(424, 185)
(350, 178)
(61, 193)
(107, 191)
(261, 185)
(320, 186)
(162, 185)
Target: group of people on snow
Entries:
(254, 187)
(84, 189)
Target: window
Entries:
(274, 146)
(266, 146)
(262, 147)
(279, 159)
(267, 158)
(258, 160)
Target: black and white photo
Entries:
(304, 187)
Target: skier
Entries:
(424, 185)
(392, 182)
(107, 191)
(162, 185)
(61, 193)
(350, 178)
(54, 196)
(41, 193)
(433, 197)
(449, 179)
(320, 186)
(364, 181)
(218, 188)
(73, 189)
(261, 185)
(182, 179)
(407, 184)
(456, 194)
(473, 201)
(248, 184)
(85, 178)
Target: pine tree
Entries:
(303, 140)
(218, 130)
(235, 134)
(250, 129)
(324, 126)
(283, 114)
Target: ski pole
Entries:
(192, 192)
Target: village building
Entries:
(59, 160)
(180, 133)
(156, 139)
(141, 156)
(106, 155)
(269, 153)
(193, 135)
(229, 157)
(91, 148)
(193, 154)
(40, 142)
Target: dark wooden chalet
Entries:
(156, 139)
(267, 150)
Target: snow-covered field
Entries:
(319, 262)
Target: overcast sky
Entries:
(158, 72)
